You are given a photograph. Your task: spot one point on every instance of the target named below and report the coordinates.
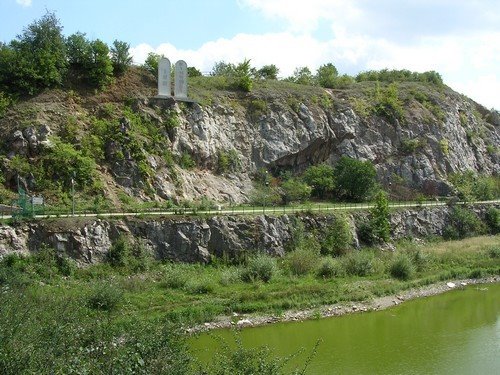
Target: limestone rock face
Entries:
(199, 239)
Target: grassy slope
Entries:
(194, 293)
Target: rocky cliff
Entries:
(155, 149)
(199, 239)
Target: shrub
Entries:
(354, 179)
(120, 56)
(326, 75)
(358, 263)
(302, 261)
(378, 228)
(338, 238)
(295, 190)
(494, 252)
(388, 104)
(462, 223)
(320, 178)
(104, 296)
(492, 219)
(175, 278)
(119, 253)
(261, 267)
(200, 286)
(329, 268)
(402, 268)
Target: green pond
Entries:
(457, 332)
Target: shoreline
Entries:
(339, 309)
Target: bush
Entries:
(354, 179)
(358, 263)
(388, 104)
(175, 278)
(261, 267)
(338, 238)
(402, 268)
(105, 297)
(378, 227)
(201, 286)
(302, 261)
(494, 252)
(295, 191)
(329, 268)
(492, 219)
(462, 223)
(320, 178)
(119, 253)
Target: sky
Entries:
(458, 38)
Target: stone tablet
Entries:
(164, 77)
(180, 88)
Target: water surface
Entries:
(453, 333)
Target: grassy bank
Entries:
(122, 314)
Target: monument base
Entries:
(174, 99)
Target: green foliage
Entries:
(302, 76)
(492, 219)
(379, 220)
(354, 179)
(263, 195)
(79, 50)
(304, 259)
(295, 190)
(329, 268)
(193, 72)
(443, 145)
(120, 56)
(257, 107)
(338, 239)
(494, 252)
(471, 186)
(62, 162)
(105, 297)
(378, 228)
(119, 253)
(358, 263)
(186, 161)
(402, 268)
(151, 63)
(388, 104)
(410, 146)
(36, 59)
(228, 161)
(5, 103)
(100, 66)
(239, 77)
(462, 223)
(261, 267)
(246, 361)
(320, 178)
(386, 75)
(326, 75)
(268, 72)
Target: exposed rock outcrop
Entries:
(197, 240)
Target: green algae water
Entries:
(457, 332)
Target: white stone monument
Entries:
(180, 87)
(164, 77)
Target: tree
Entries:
(100, 69)
(151, 63)
(326, 75)
(303, 76)
(79, 50)
(295, 191)
(38, 56)
(354, 179)
(268, 72)
(223, 69)
(193, 72)
(120, 56)
(379, 221)
(320, 178)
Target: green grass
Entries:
(192, 293)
